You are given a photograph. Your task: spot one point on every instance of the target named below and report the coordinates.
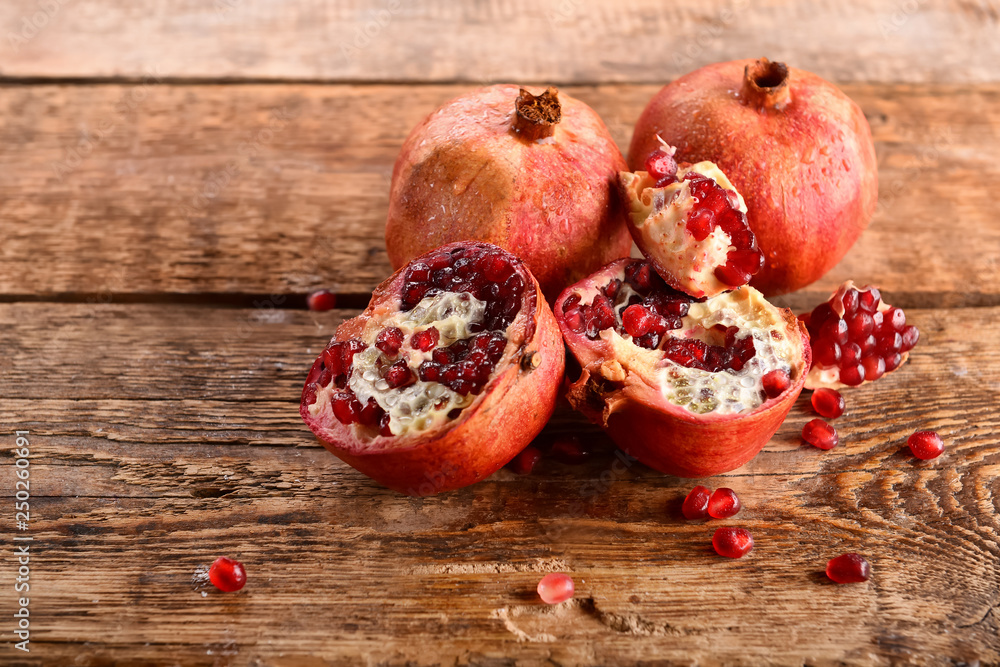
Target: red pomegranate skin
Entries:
(463, 173)
(807, 171)
(504, 418)
(664, 436)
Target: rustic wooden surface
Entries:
(175, 177)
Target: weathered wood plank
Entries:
(560, 41)
(217, 190)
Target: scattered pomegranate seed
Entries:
(848, 569)
(732, 542)
(820, 434)
(662, 167)
(322, 300)
(525, 462)
(696, 504)
(828, 402)
(569, 449)
(227, 575)
(926, 445)
(724, 503)
(775, 383)
(555, 587)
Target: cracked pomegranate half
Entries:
(691, 224)
(452, 370)
(679, 382)
(856, 338)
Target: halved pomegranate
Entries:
(691, 224)
(451, 371)
(856, 338)
(678, 382)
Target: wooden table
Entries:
(176, 177)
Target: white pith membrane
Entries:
(660, 217)
(421, 406)
(696, 390)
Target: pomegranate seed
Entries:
(696, 504)
(346, 407)
(569, 449)
(399, 375)
(556, 587)
(322, 300)
(926, 445)
(859, 325)
(389, 340)
(826, 352)
(850, 301)
(834, 330)
(227, 575)
(892, 361)
(637, 321)
(828, 402)
(775, 383)
(848, 569)
(852, 375)
(850, 354)
(525, 462)
(661, 167)
(723, 504)
(869, 299)
(383, 426)
(732, 542)
(425, 340)
(910, 336)
(874, 367)
(820, 434)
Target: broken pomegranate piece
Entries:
(678, 382)
(450, 372)
(691, 224)
(856, 338)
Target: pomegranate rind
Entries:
(502, 420)
(658, 223)
(807, 208)
(463, 174)
(631, 408)
(829, 376)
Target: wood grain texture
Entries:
(179, 440)
(551, 41)
(152, 189)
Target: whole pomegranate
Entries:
(451, 370)
(797, 148)
(535, 175)
(690, 387)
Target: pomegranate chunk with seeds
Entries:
(848, 569)
(857, 338)
(926, 445)
(556, 587)
(679, 382)
(424, 358)
(691, 224)
(695, 505)
(828, 402)
(819, 434)
(732, 542)
(724, 503)
(227, 575)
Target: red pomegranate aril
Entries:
(346, 407)
(570, 450)
(525, 462)
(910, 336)
(850, 354)
(556, 587)
(321, 300)
(775, 383)
(868, 300)
(819, 434)
(828, 402)
(399, 375)
(834, 330)
(859, 325)
(227, 575)
(637, 321)
(826, 352)
(892, 361)
(731, 275)
(425, 340)
(852, 375)
(851, 301)
(732, 542)
(371, 413)
(662, 167)
(848, 569)
(867, 344)
(695, 505)
(724, 503)
(895, 317)
(874, 367)
(926, 445)
(389, 340)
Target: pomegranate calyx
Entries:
(537, 115)
(765, 85)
